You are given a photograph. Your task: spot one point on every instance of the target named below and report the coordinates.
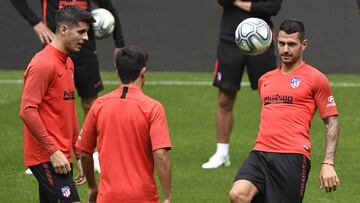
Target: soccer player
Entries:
(230, 65)
(48, 108)
(277, 169)
(87, 75)
(131, 134)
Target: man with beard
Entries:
(277, 169)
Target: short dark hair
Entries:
(292, 26)
(129, 62)
(72, 15)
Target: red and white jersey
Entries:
(289, 102)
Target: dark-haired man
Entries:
(130, 132)
(230, 66)
(87, 76)
(48, 108)
(277, 169)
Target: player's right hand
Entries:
(44, 33)
(60, 162)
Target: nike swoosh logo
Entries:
(60, 75)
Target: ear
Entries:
(304, 44)
(143, 72)
(62, 29)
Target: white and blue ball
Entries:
(253, 36)
(104, 23)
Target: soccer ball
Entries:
(253, 36)
(104, 23)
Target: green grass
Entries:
(190, 111)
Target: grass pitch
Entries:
(190, 109)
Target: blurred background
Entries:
(182, 35)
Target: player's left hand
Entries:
(328, 178)
(80, 178)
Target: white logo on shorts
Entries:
(65, 191)
(218, 76)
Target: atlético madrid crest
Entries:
(295, 82)
(65, 191)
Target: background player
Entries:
(278, 167)
(49, 90)
(230, 65)
(131, 133)
(87, 76)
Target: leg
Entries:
(45, 196)
(242, 191)
(286, 177)
(54, 186)
(224, 116)
(87, 79)
(228, 73)
(250, 180)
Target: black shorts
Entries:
(279, 177)
(54, 186)
(231, 63)
(87, 75)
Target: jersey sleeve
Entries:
(87, 139)
(23, 8)
(324, 99)
(159, 131)
(269, 7)
(38, 78)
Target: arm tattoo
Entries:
(331, 137)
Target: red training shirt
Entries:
(48, 106)
(126, 126)
(289, 102)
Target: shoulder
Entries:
(150, 102)
(318, 79)
(269, 74)
(314, 73)
(38, 64)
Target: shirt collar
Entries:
(131, 88)
(59, 54)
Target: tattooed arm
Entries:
(328, 177)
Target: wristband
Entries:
(328, 164)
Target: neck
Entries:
(289, 68)
(58, 44)
(137, 83)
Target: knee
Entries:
(226, 103)
(238, 196)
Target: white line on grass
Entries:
(182, 83)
